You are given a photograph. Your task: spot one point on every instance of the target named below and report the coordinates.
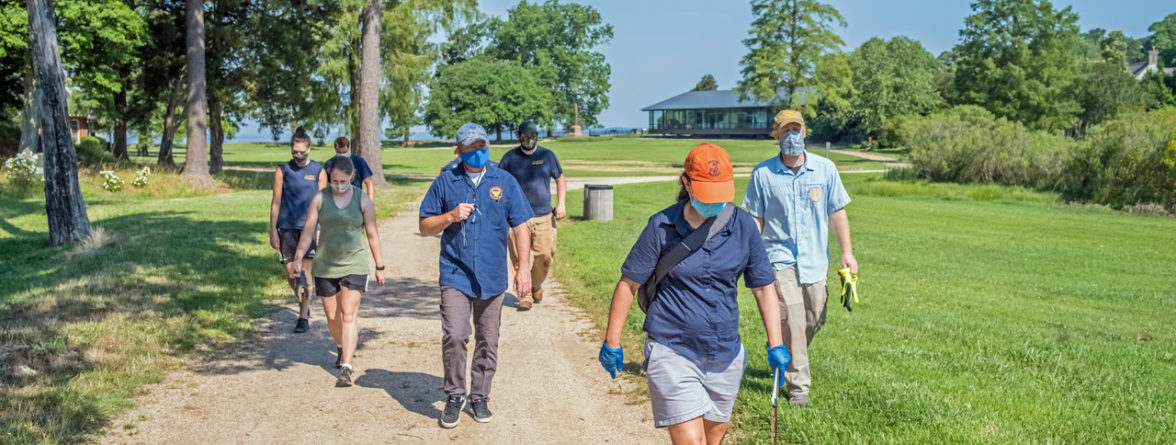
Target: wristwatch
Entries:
(379, 267)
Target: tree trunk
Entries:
(64, 206)
(170, 124)
(120, 111)
(354, 76)
(406, 140)
(216, 133)
(196, 157)
(369, 80)
(29, 116)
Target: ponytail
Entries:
(300, 137)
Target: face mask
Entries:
(792, 143)
(298, 156)
(476, 158)
(707, 210)
(341, 188)
(528, 142)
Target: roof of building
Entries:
(1140, 69)
(693, 100)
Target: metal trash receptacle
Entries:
(598, 200)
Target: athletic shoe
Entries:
(344, 377)
(480, 409)
(524, 305)
(799, 400)
(338, 357)
(537, 295)
(453, 408)
(301, 326)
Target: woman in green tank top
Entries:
(347, 221)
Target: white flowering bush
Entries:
(110, 181)
(141, 178)
(24, 170)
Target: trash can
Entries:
(598, 199)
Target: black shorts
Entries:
(288, 245)
(328, 287)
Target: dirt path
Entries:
(280, 388)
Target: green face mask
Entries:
(528, 141)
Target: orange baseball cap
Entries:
(712, 178)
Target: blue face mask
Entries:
(476, 158)
(707, 210)
(792, 143)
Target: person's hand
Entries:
(561, 211)
(462, 211)
(523, 283)
(297, 269)
(612, 359)
(380, 278)
(274, 242)
(847, 260)
(778, 359)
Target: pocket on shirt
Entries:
(812, 195)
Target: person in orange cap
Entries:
(689, 258)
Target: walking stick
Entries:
(775, 398)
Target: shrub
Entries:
(24, 171)
(110, 181)
(92, 153)
(1128, 161)
(967, 144)
(141, 178)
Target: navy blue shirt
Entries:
(457, 161)
(534, 173)
(473, 252)
(362, 170)
(696, 312)
(299, 186)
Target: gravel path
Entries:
(549, 388)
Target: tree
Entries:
(1157, 91)
(892, 78)
(1163, 38)
(498, 94)
(64, 206)
(789, 40)
(1109, 88)
(16, 77)
(369, 79)
(1017, 59)
(196, 157)
(706, 84)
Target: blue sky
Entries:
(662, 47)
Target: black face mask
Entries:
(528, 141)
(298, 156)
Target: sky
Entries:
(661, 48)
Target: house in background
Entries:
(80, 127)
(710, 113)
(1141, 69)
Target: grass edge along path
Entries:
(988, 314)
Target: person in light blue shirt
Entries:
(794, 198)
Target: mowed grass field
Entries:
(987, 315)
(581, 157)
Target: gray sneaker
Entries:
(799, 400)
(344, 379)
(453, 408)
(480, 409)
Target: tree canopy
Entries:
(707, 83)
(892, 78)
(497, 94)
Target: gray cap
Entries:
(470, 133)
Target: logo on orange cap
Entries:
(712, 178)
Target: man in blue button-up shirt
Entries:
(473, 206)
(794, 197)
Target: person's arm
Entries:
(561, 192)
(622, 299)
(769, 308)
(840, 222)
(523, 244)
(373, 236)
(436, 224)
(369, 188)
(759, 223)
(308, 234)
(275, 208)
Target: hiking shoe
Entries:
(301, 326)
(344, 379)
(524, 305)
(480, 409)
(453, 408)
(537, 295)
(799, 400)
(338, 357)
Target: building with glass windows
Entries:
(710, 113)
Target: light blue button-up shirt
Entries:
(795, 208)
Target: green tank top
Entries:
(342, 243)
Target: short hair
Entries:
(341, 142)
(341, 163)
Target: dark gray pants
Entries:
(456, 309)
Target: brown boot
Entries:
(525, 305)
(537, 295)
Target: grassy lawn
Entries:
(988, 314)
(583, 157)
(171, 270)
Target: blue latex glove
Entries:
(611, 359)
(778, 359)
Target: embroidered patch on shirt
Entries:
(814, 193)
(539, 162)
(496, 193)
(309, 177)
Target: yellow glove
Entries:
(848, 287)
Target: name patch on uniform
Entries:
(309, 177)
(496, 193)
(814, 193)
(539, 162)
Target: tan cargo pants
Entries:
(542, 251)
(802, 313)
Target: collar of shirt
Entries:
(779, 167)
